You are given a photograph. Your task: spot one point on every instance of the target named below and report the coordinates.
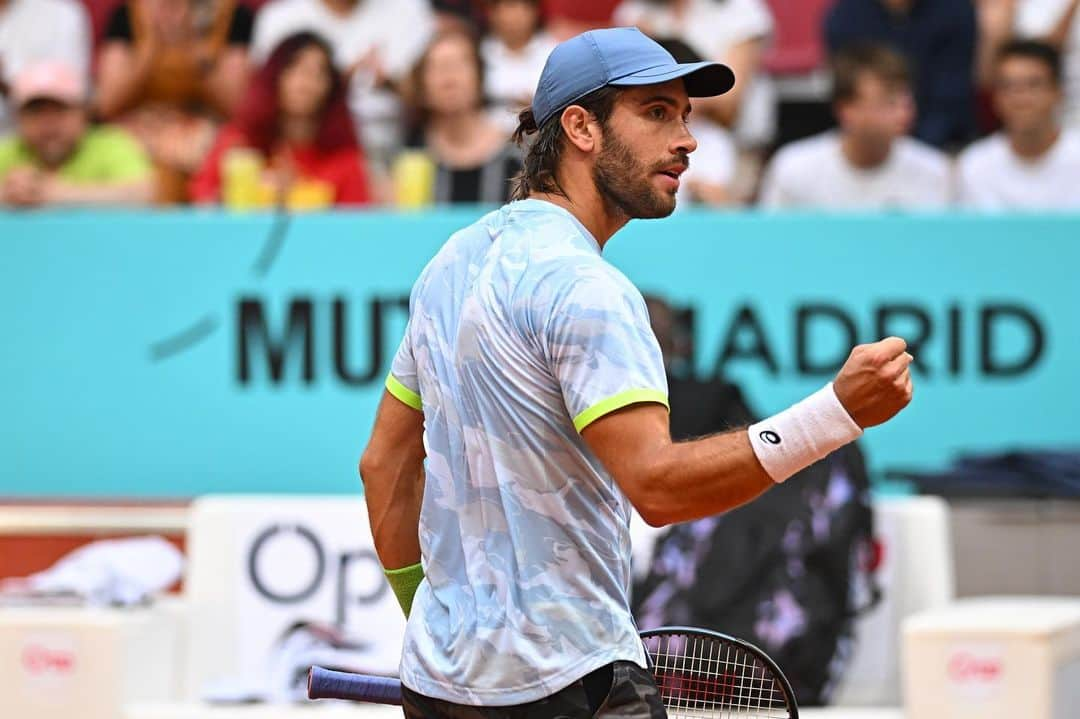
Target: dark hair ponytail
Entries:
(544, 145)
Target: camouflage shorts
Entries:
(631, 694)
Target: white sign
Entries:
(279, 583)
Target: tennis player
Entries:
(531, 382)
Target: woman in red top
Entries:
(296, 120)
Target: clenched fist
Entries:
(875, 382)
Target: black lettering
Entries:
(298, 334)
(746, 322)
(373, 594)
(991, 364)
(316, 579)
(376, 340)
(916, 334)
(956, 341)
(807, 314)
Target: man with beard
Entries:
(56, 158)
(526, 411)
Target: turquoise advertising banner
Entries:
(175, 354)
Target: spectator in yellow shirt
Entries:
(56, 158)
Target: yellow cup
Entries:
(413, 176)
(242, 170)
(306, 194)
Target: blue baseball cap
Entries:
(623, 57)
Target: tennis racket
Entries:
(708, 674)
(700, 674)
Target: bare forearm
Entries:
(1061, 31)
(119, 194)
(123, 73)
(394, 496)
(227, 82)
(691, 480)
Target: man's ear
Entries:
(580, 128)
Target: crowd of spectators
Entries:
(866, 104)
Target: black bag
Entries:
(787, 572)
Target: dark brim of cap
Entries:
(703, 79)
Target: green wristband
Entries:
(404, 582)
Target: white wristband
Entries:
(803, 434)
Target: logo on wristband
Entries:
(770, 437)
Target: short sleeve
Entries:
(241, 26)
(118, 26)
(1037, 18)
(715, 158)
(748, 19)
(602, 350)
(403, 382)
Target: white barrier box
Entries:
(994, 658)
(260, 565)
(60, 662)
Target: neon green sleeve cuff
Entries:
(403, 393)
(609, 405)
(404, 582)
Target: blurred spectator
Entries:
(938, 39)
(375, 44)
(797, 62)
(514, 55)
(1033, 163)
(461, 14)
(566, 18)
(1058, 23)
(473, 159)
(56, 158)
(296, 120)
(34, 31)
(732, 32)
(170, 70)
(710, 178)
(868, 163)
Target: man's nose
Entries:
(685, 143)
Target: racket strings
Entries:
(703, 677)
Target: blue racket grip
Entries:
(328, 684)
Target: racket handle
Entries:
(328, 684)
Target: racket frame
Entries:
(757, 653)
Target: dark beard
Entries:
(625, 184)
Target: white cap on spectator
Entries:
(49, 80)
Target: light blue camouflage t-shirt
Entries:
(520, 334)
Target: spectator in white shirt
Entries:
(1033, 163)
(1056, 22)
(375, 42)
(869, 163)
(37, 31)
(514, 53)
(733, 32)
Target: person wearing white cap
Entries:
(56, 158)
(525, 414)
(35, 31)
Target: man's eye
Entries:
(658, 113)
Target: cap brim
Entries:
(59, 97)
(703, 79)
